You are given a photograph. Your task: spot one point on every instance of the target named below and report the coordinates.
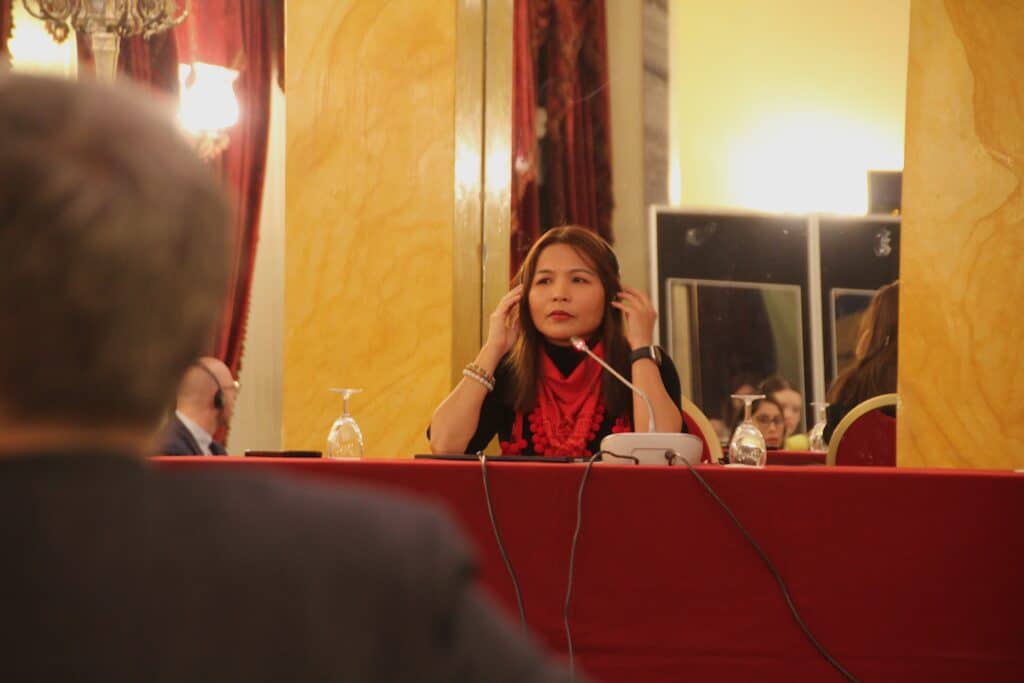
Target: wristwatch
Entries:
(652, 352)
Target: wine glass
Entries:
(345, 439)
(747, 446)
(816, 437)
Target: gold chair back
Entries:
(873, 403)
(707, 432)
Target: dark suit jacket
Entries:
(178, 440)
(116, 571)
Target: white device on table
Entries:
(651, 447)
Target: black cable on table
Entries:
(501, 545)
(775, 573)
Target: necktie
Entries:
(217, 449)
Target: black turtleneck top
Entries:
(497, 414)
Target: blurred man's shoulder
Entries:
(300, 507)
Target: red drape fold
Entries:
(275, 13)
(6, 27)
(566, 178)
(239, 35)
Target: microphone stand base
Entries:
(650, 448)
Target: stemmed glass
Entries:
(747, 446)
(345, 439)
(816, 437)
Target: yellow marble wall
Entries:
(962, 274)
(368, 259)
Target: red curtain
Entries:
(560, 63)
(528, 31)
(248, 37)
(245, 36)
(6, 26)
(275, 12)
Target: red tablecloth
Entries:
(796, 458)
(904, 575)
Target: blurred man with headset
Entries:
(206, 402)
(114, 244)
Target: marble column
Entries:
(961, 375)
(368, 263)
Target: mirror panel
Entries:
(726, 334)
(750, 295)
(858, 254)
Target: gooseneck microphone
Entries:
(645, 448)
(581, 345)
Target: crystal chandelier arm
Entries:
(54, 13)
(50, 10)
(79, 15)
(134, 20)
(184, 13)
(124, 17)
(157, 16)
(172, 20)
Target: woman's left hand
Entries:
(638, 316)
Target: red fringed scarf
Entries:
(568, 413)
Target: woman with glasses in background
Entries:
(767, 415)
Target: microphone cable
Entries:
(775, 573)
(572, 551)
(501, 545)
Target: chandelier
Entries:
(106, 22)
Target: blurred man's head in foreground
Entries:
(113, 253)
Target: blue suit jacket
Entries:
(178, 440)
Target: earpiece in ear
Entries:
(218, 398)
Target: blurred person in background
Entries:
(205, 404)
(779, 389)
(874, 368)
(767, 416)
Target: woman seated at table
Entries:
(767, 416)
(873, 371)
(791, 401)
(534, 390)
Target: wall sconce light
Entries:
(208, 106)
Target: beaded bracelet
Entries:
(479, 378)
(473, 367)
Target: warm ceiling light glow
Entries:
(810, 161)
(208, 102)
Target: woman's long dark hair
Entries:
(874, 369)
(524, 359)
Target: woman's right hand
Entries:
(504, 327)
